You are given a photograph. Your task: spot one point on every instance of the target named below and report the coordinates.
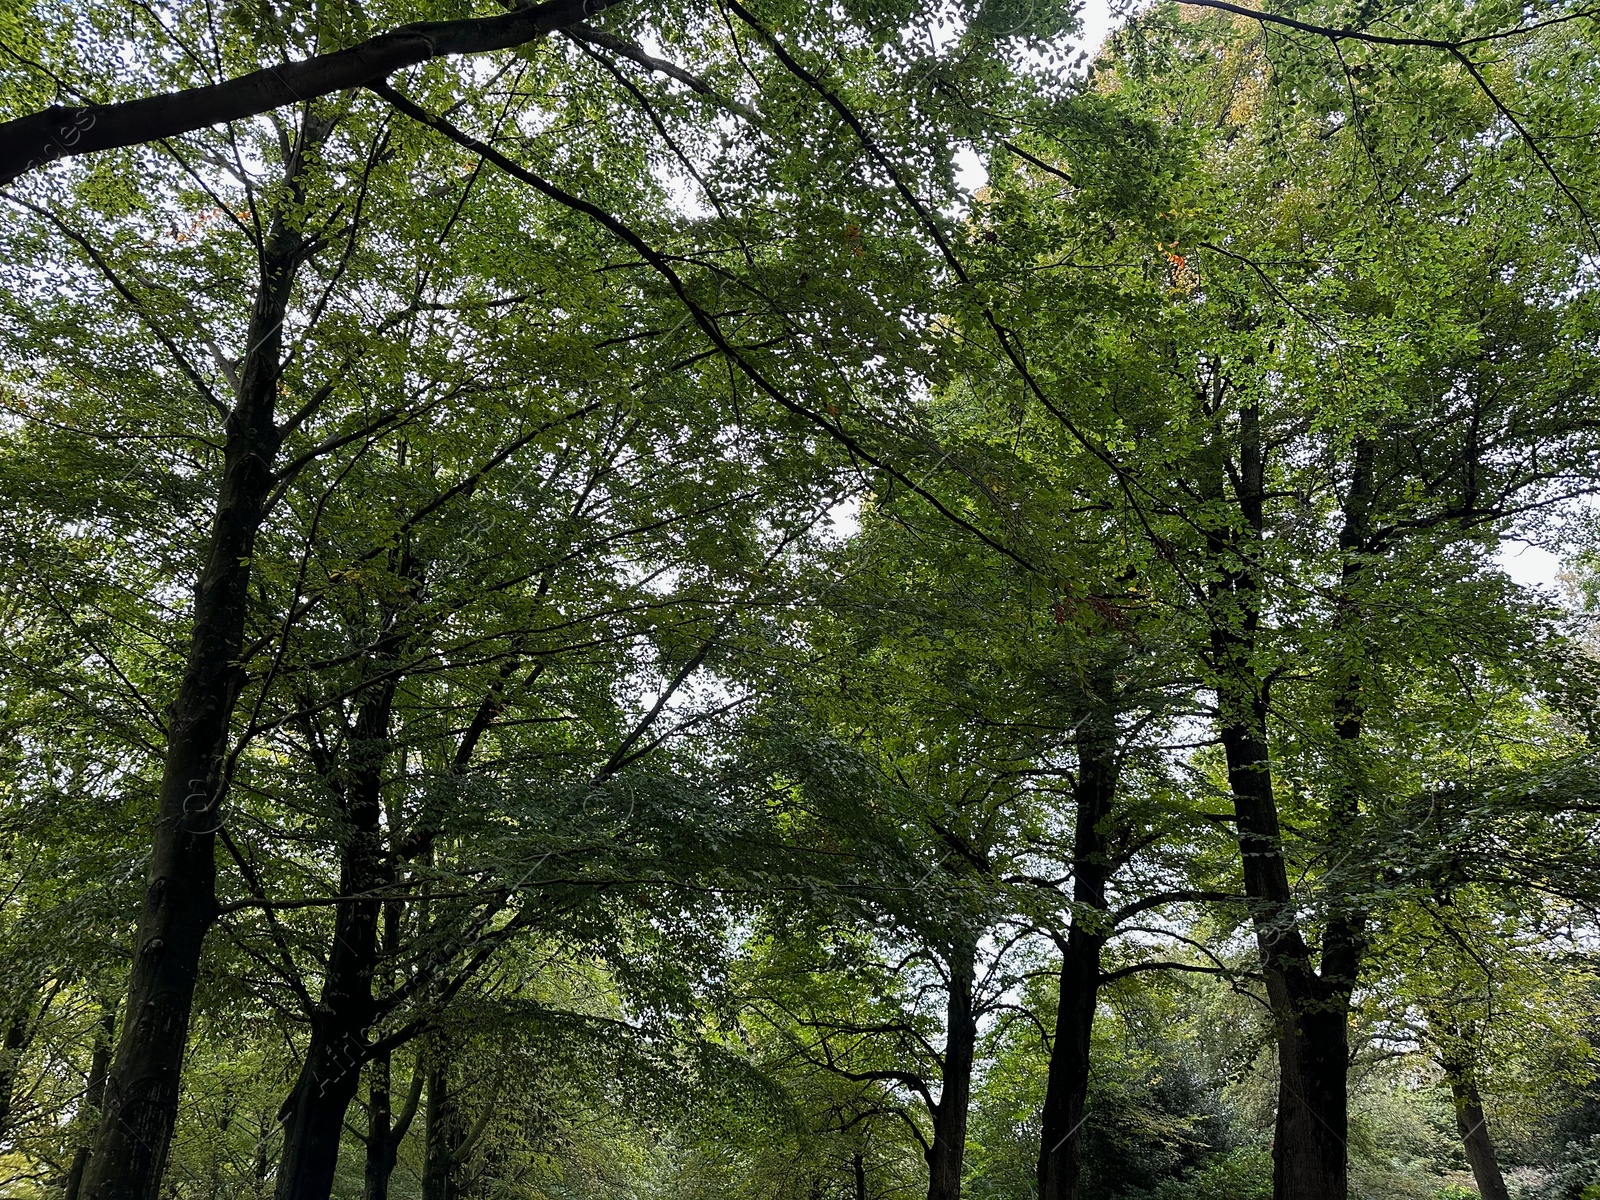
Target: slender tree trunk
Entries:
(94, 1094)
(858, 1165)
(955, 1095)
(1313, 1049)
(1313, 1007)
(1345, 939)
(313, 1115)
(380, 1116)
(444, 1136)
(441, 1175)
(386, 1130)
(261, 1165)
(1310, 1014)
(141, 1102)
(1474, 1130)
(18, 1030)
(1067, 1084)
(1457, 1055)
(219, 1146)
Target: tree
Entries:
(1285, 487)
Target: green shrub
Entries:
(1576, 1175)
(1243, 1173)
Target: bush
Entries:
(1576, 1176)
(1244, 1173)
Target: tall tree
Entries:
(1275, 435)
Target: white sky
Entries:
(1530, 565)
(1096, 24)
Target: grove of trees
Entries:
(765, 601)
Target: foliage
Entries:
(701, 543)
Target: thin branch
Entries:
(587, 33)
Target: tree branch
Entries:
(1337, 33)
(595, 37)
(59, 131)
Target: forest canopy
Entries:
(763, 601)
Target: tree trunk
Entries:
(387, 1129)
(1309, 1012)
(1313, 1050)
(16, 1041)
(313, 1120)
(94, 1095)
(443, 1132)
(261, 1164)
(1345, 939)
(313, 1115)
(1456, 1059)
(1309, 1148)
(141, 1102)
(379, 1162)
(1474, 1130)
(955, 1095)
(1067, 1084)
(219, 1146)
(858, 1165)
(1313, 1007)
(441, 1175)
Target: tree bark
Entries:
(141, 1102)
(94, 1094)
(1345, 939)
(18, 1031)
(1310, 1012)
(441, 1175)
(1474, 1130)
(313, 1115)
(40, 138)
(379, 1162)
(385, 1128)
(385, 1131)
(1456, 1058)
(1313, 1052)
(858, 1166)
(1313, 1006)
(949, 1145)
(1067, 1084)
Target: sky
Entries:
(1096, 24)
(1530, 565)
